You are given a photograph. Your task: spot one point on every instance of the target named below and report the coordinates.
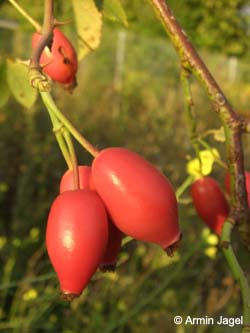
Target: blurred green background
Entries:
(129, 94)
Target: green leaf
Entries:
(207, 159)
(113, 10)
(89, 26)
(17, 78)
(4, 89)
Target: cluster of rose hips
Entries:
(121, 193)
(210, 202)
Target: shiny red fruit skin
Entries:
(61, 62)
(108, 262)
(247, 177)
(140, 200)
(67, 180)
(76, 238)
(210, 203)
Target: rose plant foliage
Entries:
(121, 196)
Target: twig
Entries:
(232, 122)
(35, 24)
(58, 131)
(182, 188)
(50, 104)
(37, 79)
(68, 139)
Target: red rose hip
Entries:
(76, 238)
(210, 203)
(140, 200)
(61, 62)
(108, 262)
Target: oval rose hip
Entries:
(61, 61)
(140, 200)
(108, 262)
(76, 238)
(210, 203)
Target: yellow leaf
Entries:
(89, 26)
(204, 166)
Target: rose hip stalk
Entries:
(67, 180)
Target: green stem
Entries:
(68, 139)
(35, 24)
(57, 129)
(237, 272)
(50, 104)
(37, 78)
(182, 188)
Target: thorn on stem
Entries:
(61, 23)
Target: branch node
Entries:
(61, 23)
(58, 128)
(38, 80)
(220, 99)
